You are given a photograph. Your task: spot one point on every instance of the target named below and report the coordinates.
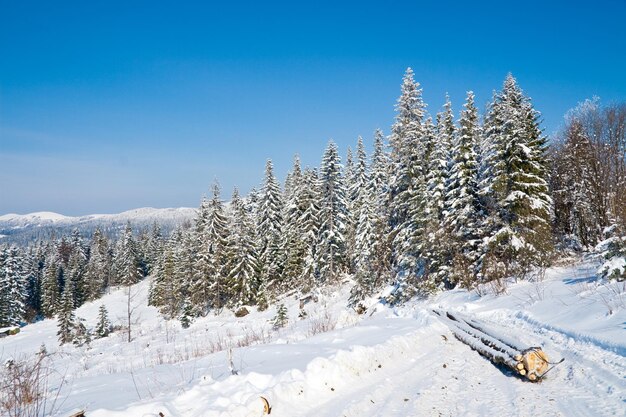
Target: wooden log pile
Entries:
(530, 363)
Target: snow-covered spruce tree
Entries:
(50, 292)
(97, 270)
(294, 244)
(12, 287)
(129, 272)
(103, 326)
(373, 268)
(196, 266)
(379, 191)
(435, 237)
(407, 186)
(292, 210)
(167, 290)
(380, 170)
(308, 224)
(186, 314)
(216, 246)
(243, 258)
(416, 241)
(74, 279)
(153, 248)
(358, 181)
(281, 318)
(66, 320)
(332, 257)
(464, 213)
(515, 187)
(293, 180)
(269, 232)
(127, 259)
(33, 262)
(365, 244)
(573, 180)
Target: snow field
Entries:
(392, 362)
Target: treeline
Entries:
(439, 203)
(57, 276)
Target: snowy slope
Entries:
(394, 362)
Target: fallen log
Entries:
(531, 363)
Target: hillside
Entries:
(388, 362)
(24, 228)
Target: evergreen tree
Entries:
(12, 287)
(515, 187)
(186, 315)
(127, 259)
(355, 188)
(103, 326)
(242, 267)
(66, 320)
(332, 257)
(464, 215)
(308, 224)
(281, 318)
(436, 251)
(293, 242)
(97, 270)
(50, 292)
(269, 231)
(576, 181)
(166, 291)
(215, 249)
(408, 152)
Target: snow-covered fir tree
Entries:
(281, 318)
(215, 249)
(407, 181)
(243, 258)
(514, 186)
(435, 245)
(12, 287)
(97, 270)
(50, 291)
(269, 232)
(127, 260)
(464, 212)
(103, 324)
(66, 320)
(332, 256)
(308, 223)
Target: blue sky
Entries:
(108, 106)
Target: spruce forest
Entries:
(449, 199)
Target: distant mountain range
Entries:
(24, 228)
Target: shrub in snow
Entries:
(82, 335)
(615, 254)
(242, 312)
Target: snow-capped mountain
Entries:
(21, 228)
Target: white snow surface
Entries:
(388, 362)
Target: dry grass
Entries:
(24, 390)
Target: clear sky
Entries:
(108, 106)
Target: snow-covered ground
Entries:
(387, 362)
